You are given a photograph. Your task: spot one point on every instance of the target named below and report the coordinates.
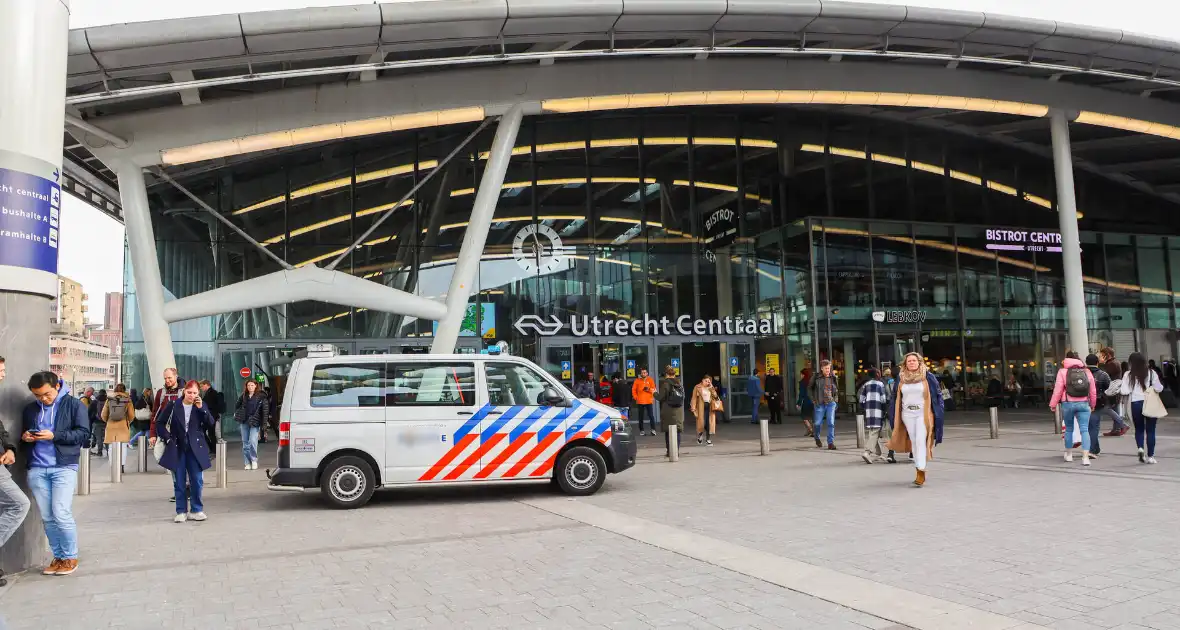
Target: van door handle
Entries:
(462, 413)
(494, 413)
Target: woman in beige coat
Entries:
(704, 399)
(118, 413)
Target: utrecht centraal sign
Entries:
(646, 326)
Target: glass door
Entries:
(739, 363)
(558, 360)
(669, 355)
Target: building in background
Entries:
(80, 362)
(113, 315)
(113, 341)
(68, 311)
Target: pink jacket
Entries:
(1059, 386)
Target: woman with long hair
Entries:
(252, 413)
(917, 405)
(1138, 377)
(705, 400)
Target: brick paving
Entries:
(1004, 526)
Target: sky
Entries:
(90, 251)
(1152, 17)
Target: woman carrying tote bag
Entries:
(1142, 387)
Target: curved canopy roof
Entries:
(128, 68)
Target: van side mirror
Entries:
(552, 398)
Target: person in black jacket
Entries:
(14, 505)
(98, 428)
(1101, 384)
(774, 396)
(215, 403)
(251, 413)
(622, 399)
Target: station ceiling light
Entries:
(318, 133)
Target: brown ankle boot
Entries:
(920, 478)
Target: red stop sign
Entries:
(245, 372)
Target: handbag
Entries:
(717, 405)
(158, 450)
(143, 415)
(1153, 407)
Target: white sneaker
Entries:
(197, 516)
(1151, 460)
(180, 518)
(867, 457)
(247, 467)
(1069, 456)
(254, 465)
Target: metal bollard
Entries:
(764, 436)
(674, 443)
(141, 453)
(860, 431)
(995, 422)
(115, 459)
(83, 487)
(1057, 421)
(222, 474)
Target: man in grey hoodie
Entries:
(14, 505)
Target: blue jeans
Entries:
(53, 490)
(1143, 424)
(1095, 431)
(188, 473)
(757, 400)
(827, 412)
(249, 442)
(14, 506)
(1079, 412)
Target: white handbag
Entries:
(158, 450)
(1153, 407)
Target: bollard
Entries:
(222, 474)
(141, 453)
(764, 436)
(1057, 420)
(860, 431)
(83, 473)
(995, 422)
(674, 443)
(115, 459)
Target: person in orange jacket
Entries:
(643, 391)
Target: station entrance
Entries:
(729, 361)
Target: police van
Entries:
(352, 424)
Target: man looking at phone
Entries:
(55, 428)
(165, 397)
(14, 505)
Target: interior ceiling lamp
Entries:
(318, 133)
(791, 97)
(1129, 124)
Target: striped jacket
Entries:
(873, 398)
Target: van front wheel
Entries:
(581, 471)
(348, 482)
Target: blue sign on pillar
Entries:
(565, 365)
(29, 220)
(675, 363)
(733, 361)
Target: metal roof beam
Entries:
(191, 96)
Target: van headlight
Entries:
(618, 425)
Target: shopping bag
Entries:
(1153, 407)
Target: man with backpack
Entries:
(1101, 384)
(671, 397)
(1076, 392)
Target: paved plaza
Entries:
(1004, 536)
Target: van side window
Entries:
(348, 385)
(430, 384)
(513, 384)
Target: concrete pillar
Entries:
(483, 209)
(1071, 248)
(145, 267)
(32, 114)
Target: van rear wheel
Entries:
(581, 471)
(348, 482)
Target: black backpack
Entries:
(1077, 382)
(675, 395)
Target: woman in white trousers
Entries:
(916, 407)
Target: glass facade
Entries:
(815, 220)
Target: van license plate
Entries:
(304, 445)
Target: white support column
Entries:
(482, 211)
(149, 289)
(1071, 248)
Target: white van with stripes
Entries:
(352, 424)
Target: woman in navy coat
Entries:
(186, 451)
